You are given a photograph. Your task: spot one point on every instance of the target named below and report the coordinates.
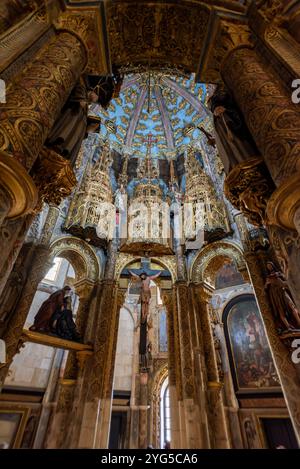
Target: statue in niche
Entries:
(73, 124)
(55, 316)
(285, 312)
(234, 141)
(144, 300)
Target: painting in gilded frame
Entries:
(250, 356)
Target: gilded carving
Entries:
(85, 262)
(248, 187)
(272, 119)
(85, 24)
(156, 34)
(211, 258)
(34, 98)
(287, 371)
(53, 176)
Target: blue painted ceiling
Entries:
(157, 104)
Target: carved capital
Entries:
(248, 187)
(54, 177)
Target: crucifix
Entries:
(144, 275)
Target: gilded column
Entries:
(274, 122)
(12, 235)
(174, 374)
(99, 371)
(217, 420)
(35, 97)
(190, 413)
(288, 372)
(12, 336)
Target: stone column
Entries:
(217, 420)
(98, 374)
(143, 410)
(40, 265)
(35, 97)
(174, 375)
(274, 122)
(190, 414)
(288, 372)
(48, 400)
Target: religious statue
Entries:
(55, 316)
(234, 141)
(286, 314)
(62, 323)
(144, 300)
(73, 124)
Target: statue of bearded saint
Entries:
(145, 296)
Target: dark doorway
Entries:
(279, 433)
(117, 430)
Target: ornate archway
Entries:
(80, 255)
(209, 260)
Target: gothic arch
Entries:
(79, 254)
(212, 257)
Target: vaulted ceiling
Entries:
(156, 106)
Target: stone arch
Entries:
(79, 254)
(211, 258)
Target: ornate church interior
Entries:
(149, 224)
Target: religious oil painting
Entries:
(251, 359)
(228, 276)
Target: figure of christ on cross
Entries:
(145, 295)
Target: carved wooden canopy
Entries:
(185, 35)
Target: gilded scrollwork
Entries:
(53, 176)
(211, 258)
(34, 98)
(248, 187)
(143, 35)
(83, 258)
